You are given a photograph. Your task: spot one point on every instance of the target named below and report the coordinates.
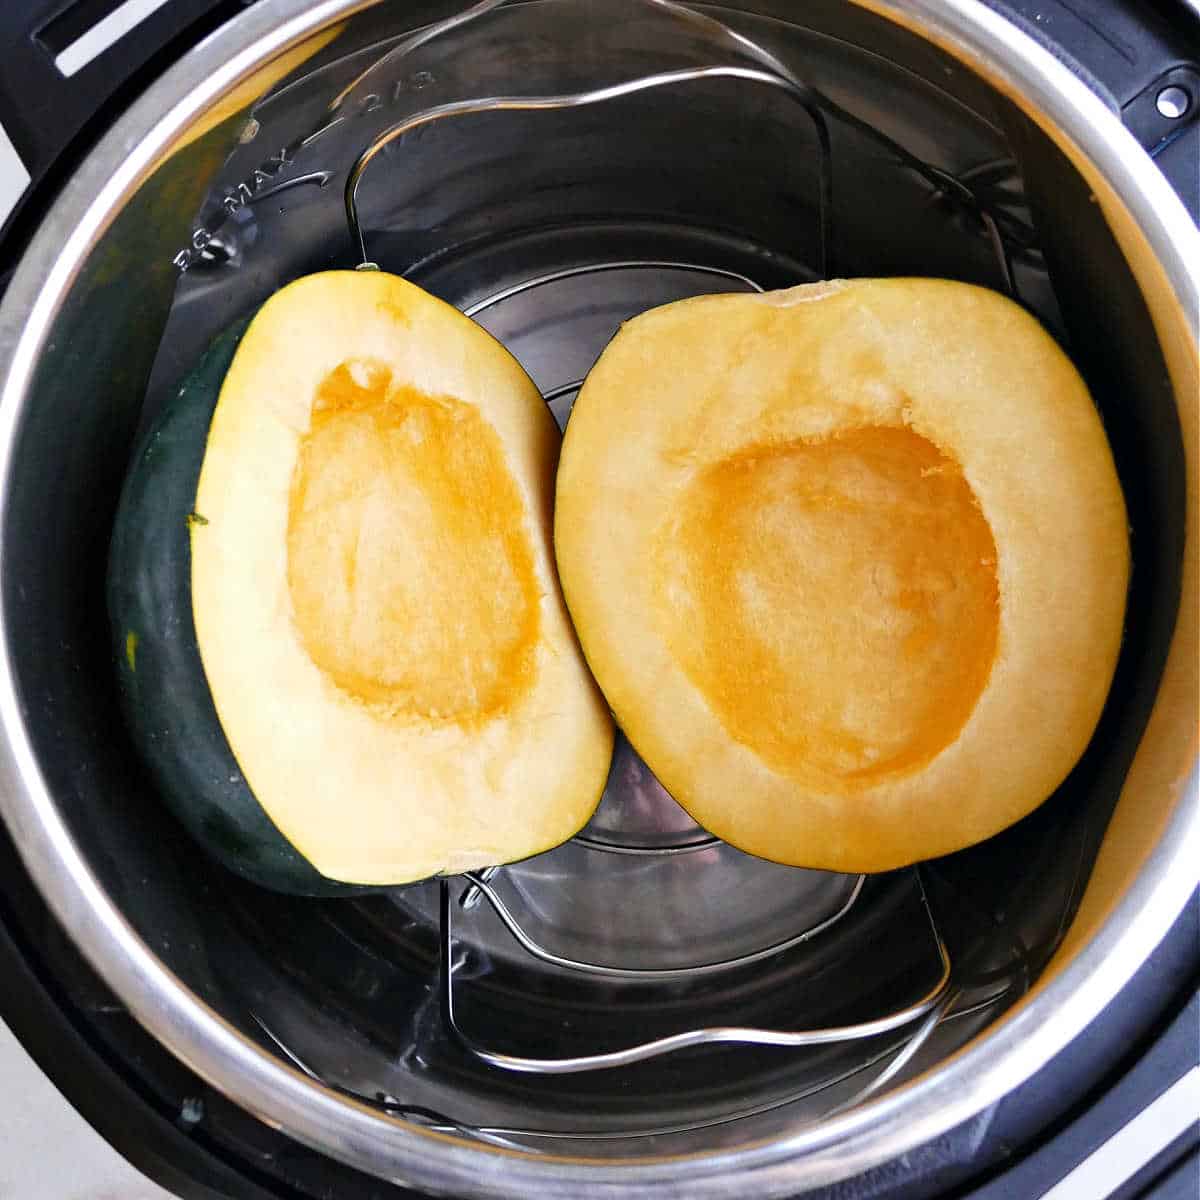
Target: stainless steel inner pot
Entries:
(750, 146)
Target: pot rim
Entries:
(977, 1076)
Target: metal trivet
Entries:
(976, 196)
(946, 1000)
(694, 1037)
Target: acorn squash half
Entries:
(341, 639)
(849, 562)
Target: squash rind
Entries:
(166, 701)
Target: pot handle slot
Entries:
(64, 72)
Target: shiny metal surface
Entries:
(566, 100)
(1172, 102)
(933, 1000)
(1134, 894)
(691, 971)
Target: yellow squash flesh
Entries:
(374, 591)
(849, 562)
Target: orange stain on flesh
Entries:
(409, 568)
(834, 600)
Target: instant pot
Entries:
(643, 1012)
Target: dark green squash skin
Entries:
(164, 692)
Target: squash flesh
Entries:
(374, 598)
(397, 498)
(871, 664)
(1000, 696)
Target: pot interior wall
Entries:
(689, 187)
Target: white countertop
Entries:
(47, 1150)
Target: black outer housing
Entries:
(53, 120)
(1128, 51)
(183, 1134)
